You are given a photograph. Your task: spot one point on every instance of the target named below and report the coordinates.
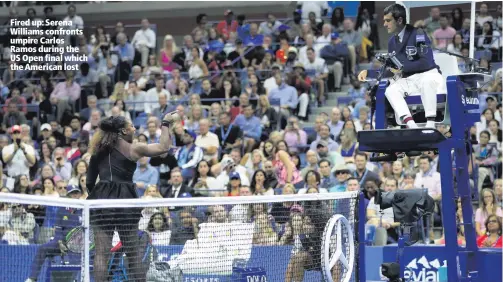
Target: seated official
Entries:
(420, 74)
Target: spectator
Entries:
(167, 54)
(332, 54)
(443, 34)
(342, 175)
(136, 98)
(493, 237)
(144, 41)
(295, 25)
(457, 18)
(152, 95)
(18, 156)
(270, 27)
(61, 166)
(202, 26)
(429, 179)
(92, 102)
(386, 218)
(77, 23)
(311, 163)
(204, 184)
(490, 38)
(483, 15)
(225, 27)
(353, 40)
(125, 49)
(324, 139)
(337, 20)
(251, 127)
(138, 78)
(361, 172)
(13, 116)
(187, 230)
(488, 207)
(144, 176)
(207, 141)
(188, 155)
(254, 38)
(163, 109)
(318, 70)
(287, 96)
(367, 26)
(64, 92)
(456, 44)
(465, 31)
(15, 94)
(432, 23)
(294, 136)
(93, 122)
(86, 77)
(208, 94)
(270, 83)
(176, 189)
(485, 157)
(325, 38)
(21, 221)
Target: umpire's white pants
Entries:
(429, 84)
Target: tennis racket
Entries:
(74, 239)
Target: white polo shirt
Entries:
(318, 65)
(210, 139)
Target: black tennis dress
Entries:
(115, 182)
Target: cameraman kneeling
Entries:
(419, 73)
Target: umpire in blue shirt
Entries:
(420, 74)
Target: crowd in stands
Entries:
(245, 91)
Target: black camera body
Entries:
(408, 205)
(389, 60)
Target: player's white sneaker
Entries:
(30, 280)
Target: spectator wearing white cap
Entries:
(18, 156)
(144, 41)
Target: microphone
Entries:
(421, 40)
(385, 158)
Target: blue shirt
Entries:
(251, 127)
(66, 220)
(148, 176)
(286, 94)
(126, 52)
(335, 129)
(256, 41)
(243, 31)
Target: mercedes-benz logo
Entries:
(331, 260)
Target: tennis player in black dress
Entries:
(114, 160)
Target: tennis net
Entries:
(310, 237)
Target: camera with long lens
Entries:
(389, 60)
(408, 207)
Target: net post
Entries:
(361, 233)
(86, 253)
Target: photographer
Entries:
(62, 168)
(18, 156)
(229, 75)
(419, 74)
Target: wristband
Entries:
(165, 123)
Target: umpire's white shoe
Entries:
(30, 280)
